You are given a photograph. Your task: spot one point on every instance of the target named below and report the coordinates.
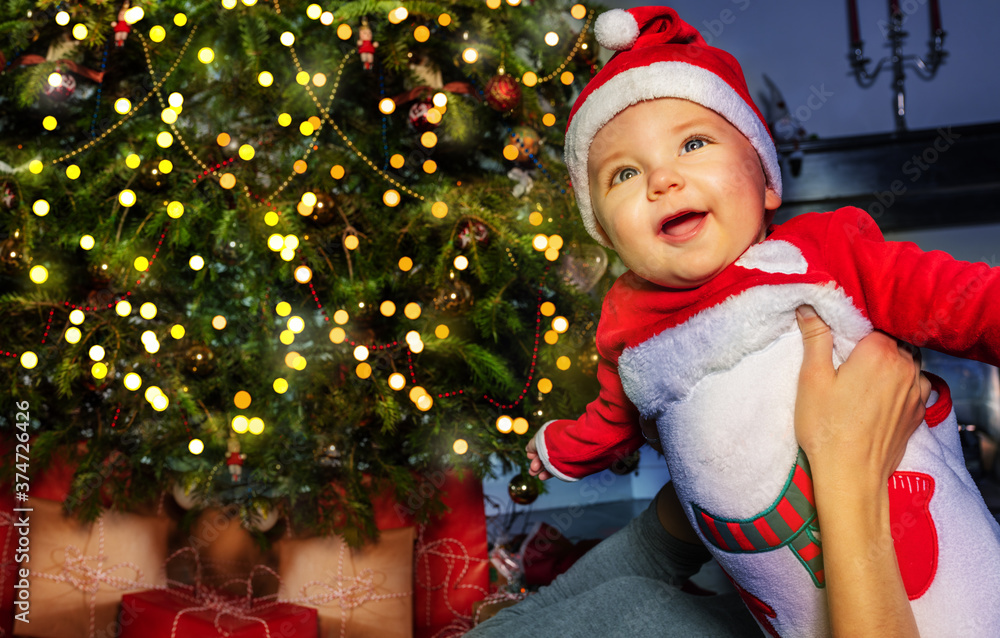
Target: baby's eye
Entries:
(624, 174)
(693, 144)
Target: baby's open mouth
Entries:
(682, 224)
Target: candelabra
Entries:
(896, 61)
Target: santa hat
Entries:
(659, 55)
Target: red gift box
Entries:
(177, 613)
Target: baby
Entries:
(674, 168)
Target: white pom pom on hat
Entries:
(658, 56)
(616, 30)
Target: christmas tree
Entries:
(288, 256)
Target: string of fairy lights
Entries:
(288, 249)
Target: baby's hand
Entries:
(537, 468)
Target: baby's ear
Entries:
(771, 199)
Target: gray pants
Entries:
(626, 586)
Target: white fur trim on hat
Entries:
(659, 80)
(616, 30)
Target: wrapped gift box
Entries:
(179, 613)
(360, 593)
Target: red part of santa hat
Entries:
(659, 55)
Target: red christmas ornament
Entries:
(65, 88)
(503, 92)
(418, 115)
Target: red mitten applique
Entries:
(913, 532)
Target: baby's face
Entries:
(678, 190)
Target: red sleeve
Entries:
(607, 431)
(926, 298)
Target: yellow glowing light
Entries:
(177, 331)
(76, 317)
(552, 253)
(175, 99)
(308, 198)
(72, 335)
(302, 78)
(493, 4)
(62, 18)
(566, 78)
(337, 335)
(547, 308)
(344, 32)
(405, 264)
(148, 336)
(551, 38)
(219, 322)
(326, 18)
(421, 34)
(306, 128)
(40, 207)
(412, 310)
(151, 347)
(29, 360)
(271, 218)
(433, 115)
(35, 166)
(49, 123)
(227, 181)
(444, 19)
(303, 274)
(286, 337)
(223, 139)
(510, 152)
(165, 166)
(424, 402)
(441, 331)
(551, 337)
(123, 308)
(152, 392)
(256, 425)
(180, 19)
(283, 308)
(264, 78)
(229, 4)
(197, 262)
(416, 346)
(430, 166)
(291, 241)
(397, 381)
(80, 31)
(412, 336)
(548, 119)
(175, 209)
(314, 11)
(460, 446)
(240, 424)
(461, 262)
(470, 55)
(416, 392)
(504, 423)
(363, 370)
(132, 381)
(99, 370)
(296, 324)
(578, 11)
(206, 55)
(520, 425)
(287, 38)
(529, 78)
(242, 400)
(439, 209)
(160, 402)
(55, 80)
(391, 197)
(87, 242)
(195, 446)
(401, 14)
(140, 263)
(337, 171)
(280, 385)
(351, 242)
(164, 139)
(361, 353)
(126, 197)
(429, 139)
(246, 152)
(387, 308)
(341, 317)
(147, 310)
(276, 242)
(38, 274)
(291, 357)
(540, 242)
(72, 171)
(134, 14)
(157, 33)
(132, 161)
(396, 161)
(300, 363)
(544, 386)
(386, 105)
(319, 79)
(560, 324)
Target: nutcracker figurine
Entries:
(235, 459)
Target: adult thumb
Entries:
(817, 343)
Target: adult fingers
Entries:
(817, 343)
